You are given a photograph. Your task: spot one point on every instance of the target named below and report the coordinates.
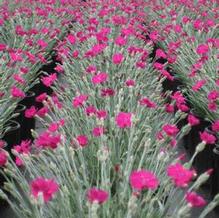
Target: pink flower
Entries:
(178, 97)
(202, 49)
(212, 106)
(118, 58)
(49, 80)
(91, 69)
(198, 85)
(195, 200)
(107, 92)
(82, 140)
(48, 140)
(19, 79)
(41, 97)
(123, 120)
(160, 54)
(90, 110)
(192, 120)
(215, 126)
(59, 69)
(3, 157)
(15, 56)
(213, 95)
(99, 78)
(197, 24)
(95, 50)
(75, 54)
(23, 148)
(17, 93)
(98, 131)
(170, 130)
(179, 174)
(30, 112)
(78, 101)
(3, 47)
(53, 127)
(182, 107)
(48, 187)
(71, 38)
(101, 114)
(42, 43)
(169, 108)
(147, 102)
(2, 143)
(43, 111)
(207, 138)
(154, 36)
(97, 195)
(166, 74)
(120, 41)
(130, 82)
(143, 179)
(158, 66)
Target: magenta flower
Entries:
(101, 114)
(43, 111)
(192, 120)
(117, 58)
(170, 130)
(130, 82)
(215, 126)
(17, 93)
(49, 80)
(207, 137)
(99, 78)
(41, 97)
(202, 49)
(42, 43)
(48, 140)
(97, 195)
(198, 85)
(123, 120)
(107, 92)
(98, 131)
(30, 112)
(48, 187)
(169, 108)
(3, 158)
(213, 95)
(23, 148)
(195, 200)
(71, 38)
(147, 102)
(91, 69)
(90, 110)
(160, 53)
(78, 101)
(179, 174)
(82, 140)
(143, 179)
(120, 41)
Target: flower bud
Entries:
(200, 147)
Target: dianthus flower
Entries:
(48, 187)
(143, 179)
(97, 195)
(180, 175)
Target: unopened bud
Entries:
(200, 147)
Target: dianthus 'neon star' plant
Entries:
(27, 37)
